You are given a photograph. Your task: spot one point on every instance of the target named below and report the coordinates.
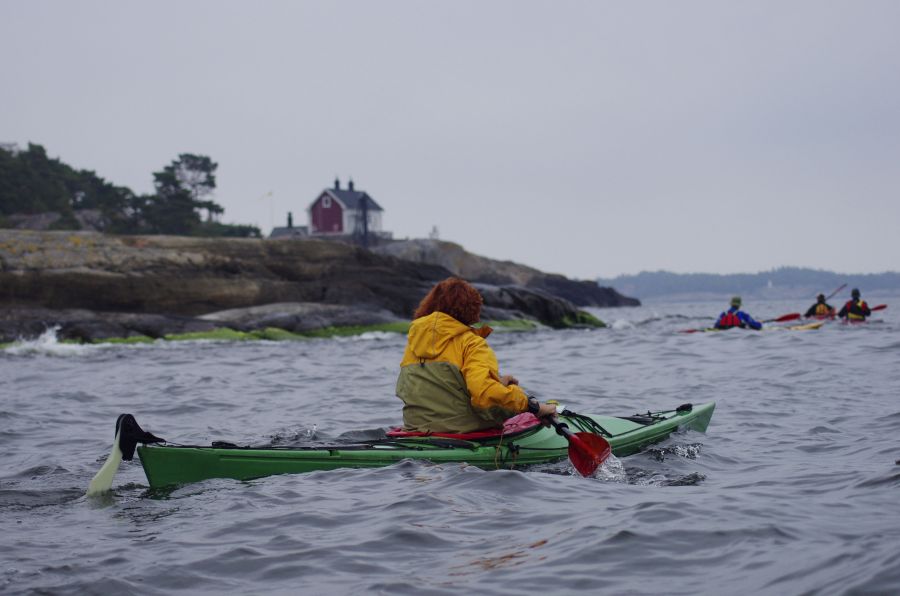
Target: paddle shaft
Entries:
(831, 295)
(562, 429)
(784, 318)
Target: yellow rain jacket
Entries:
(449, 379)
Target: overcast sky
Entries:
(585, 138)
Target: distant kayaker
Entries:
(735, 317)
(449, 378)
(856, 308)
(820, 308)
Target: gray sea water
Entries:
(794, 489)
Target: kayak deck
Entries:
(803, 327)
(167, 465)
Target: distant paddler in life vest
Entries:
(856, 309)
(735, 317)
(821, 309)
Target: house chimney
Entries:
(337, 183)
(350, 185)
(290, 220)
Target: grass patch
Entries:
(275, 334)
(398, 327)
(583, 319)
(226, 334)
(402, 327)
(514, 325)
(134, 339)
(220, 333)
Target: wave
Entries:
(369, 336)
(48, 344)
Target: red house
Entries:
(338, 211)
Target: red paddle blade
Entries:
(879, 307)
(587, 451)
(690, 330)
(790, 317)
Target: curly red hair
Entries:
(454, 297)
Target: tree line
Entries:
(31, 183)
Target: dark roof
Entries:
(352, 198)
(293, 232)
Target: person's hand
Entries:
(508, 380)
(547, 410)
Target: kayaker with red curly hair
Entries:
(449, 378)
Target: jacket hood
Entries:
(429, 335)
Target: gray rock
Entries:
(538, 305)
(193, 276)
(475, 268)
(89, 326)
(96, 286)
(300, 316)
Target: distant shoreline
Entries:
(787, 283)
(870, 297)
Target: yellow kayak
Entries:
(803, 327)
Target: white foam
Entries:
(370, 336)
(47, 343)
(656, 479)
(611, 470)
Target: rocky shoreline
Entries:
(478, 269)
(94, 287)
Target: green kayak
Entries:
(168, 465)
